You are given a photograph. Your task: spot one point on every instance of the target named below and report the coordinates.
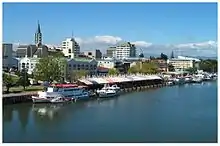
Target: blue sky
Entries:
(156, 23)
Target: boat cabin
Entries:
(65, 88)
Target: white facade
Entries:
(106, 63)
(82, 64)
(70, 48)
(28, 63)
(182, 63)
(7, 55)
(125, 50)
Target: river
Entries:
(185, 113)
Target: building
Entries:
(70, 48)
(7, 51)
(89, 65)
(123, 50)
(161, 63)
(109, 51)
(97, 54)
(32, 50)
(38, 36)
(110, 63)
(182, 63)
(28, 63)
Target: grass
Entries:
(20, 89)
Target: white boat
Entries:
(188, 79)
(61, 93)
(197, 79)
(105, 93)
(113, 87)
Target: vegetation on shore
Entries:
(144, 67)
(209, 65)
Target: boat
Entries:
(197, 79)
(113, 87)
(106, 93)
(188, 79)
(61, 93)
(179, 81)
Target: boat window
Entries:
(55, 89)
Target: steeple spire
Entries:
(38, 35)
(38, 27)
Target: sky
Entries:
(186, 28)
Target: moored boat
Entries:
(106, 93)
(61, 93)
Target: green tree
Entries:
(149, 68)
(171, 67)
(23, 80)
(77, 74)
(50, 69)
(56, 54)
(208, 65)
(8, 81)
(133, 69)
(163, 56)
(191, 70)
(144, 67)
(113, 71)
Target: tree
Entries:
(191, 70)
(172, 55)
(171, 67)
(8, 81)
(144, 67)
(56, 54)
(50, 69)
(208, 65)
(23, 80)
(113, 71)
(77, 74)
(163, 56)
(133, 70)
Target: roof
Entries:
(65, 85)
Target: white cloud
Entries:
(208, 48)
(142, 44)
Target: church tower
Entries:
(38, 36)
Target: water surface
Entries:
(185, 113)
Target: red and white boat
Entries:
(59, 93)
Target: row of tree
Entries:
(144, 67)
(209, 65)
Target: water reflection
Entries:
(102, 102)
(47, 110)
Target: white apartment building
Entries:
(182, 63)
(124, 50)
(70, 48)
(7, 52)
(28, 63)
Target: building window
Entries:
(69, 50)
(69, 56)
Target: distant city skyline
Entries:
(155, 27)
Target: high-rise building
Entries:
(71, 48)
(7, 55)
(123, 50)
